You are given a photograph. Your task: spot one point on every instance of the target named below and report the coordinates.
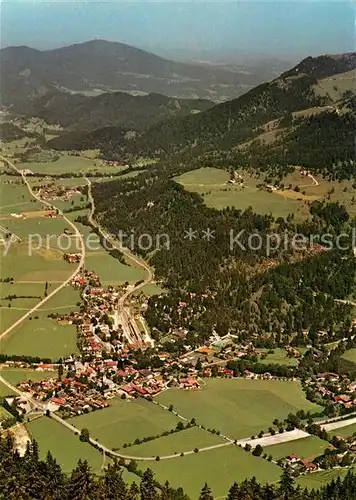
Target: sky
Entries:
(197, 26)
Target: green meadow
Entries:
(125, 421)
(238, 408)
(43, 337)
(177, 443)
(308, 447)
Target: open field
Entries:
(219, 468)
(111, 270)
(124, 421)
(67, 182)
(43, 337)
(68, 164)
(17, 375)
(17, 146)
(5, 391)
(26, 296)
(238, 408)
(279, 357)
(26, 264)
(176, 443)
(66, 447)
(212, 185)
(14, 196)
(39, 225)
(64, 301)
(346, 431)
(153, 289)
(309, 447)
(204, 177)
(75, 201)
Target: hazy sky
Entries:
(282, 27)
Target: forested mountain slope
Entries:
(229, 123)
(81, 113)
(229, 285)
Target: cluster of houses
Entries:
(334, 389)
(53, 191)
(300, 464)
(110, 163)
(72, 258)
(71, 395)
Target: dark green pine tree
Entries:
(55, 479)
(147, 486)
(166, 491)
(286, 485)
(233, 492)
(206, 493)
(114, 485)
(133, 492)
(81, 484)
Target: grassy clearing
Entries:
(42, 265)
(65, 301)
(350, 355)
(219, 468)
(111, 270)
(279, 357)
(27, 296)
(321, 478)
(63, 444)
(238, 408)
(204, 177)
(5, 391)
(14, 196)
(124, 421)
(152, 289)
(213, 185)
(42, 226)
(346, 431)
(176, 443)
(309, 448)
(43, 337)
(67, 164)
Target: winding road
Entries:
(125, 251)
(119, 247)
(265, 441)
(77, 269)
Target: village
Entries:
(119, 358)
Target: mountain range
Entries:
(305, 116)
(99, 66)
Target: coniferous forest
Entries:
(29, 478)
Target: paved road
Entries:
(67, 281)
(264, 441)
(118, 246)
(140, 262)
